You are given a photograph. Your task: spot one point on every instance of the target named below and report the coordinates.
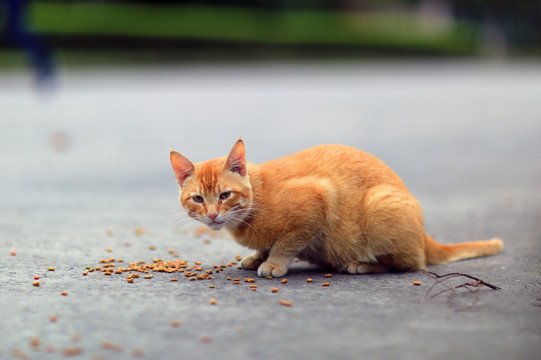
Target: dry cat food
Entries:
(275, 290)
(71, 351)
(286, 303)
(50, 269)
(326, 284)
(417, 283)
(327, 275)
(36, 283)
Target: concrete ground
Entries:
(85, 176)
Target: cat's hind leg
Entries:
(366, 268)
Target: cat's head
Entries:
(216, 192)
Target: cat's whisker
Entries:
(237, 222)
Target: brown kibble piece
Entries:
(175, 323)
(327, 275)
(326, 284)
(205, 339)
(284, 281)
(309, 280)
(138, 353)
(148, 276)
(50, 269)
(34, 342)
(417, 283)
(52, 318)
(64, 293)
(213, 301)
(36, 283)
(140, 230)
(274, 290)
(174, 279)
(286, 303)
(71, 351)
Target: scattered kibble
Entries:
(309, 280)
(152, 247)
(138, 353)
(109, 249)
(205, 339)
(111, 346)
(174, 279)
(284, 281)
(50, 269)
(140, 230)
(72, 351)
(213, 301)
(417, 283)
(36, 283)
(64, 293)
(13, 253)
(327, 275)
(326, 284)
(275, 290)
(211, 286)
(175, 323)
(85, 273)
(148, 276)
(36, 277)
(286, 303)
(34, 342)
(52, 318)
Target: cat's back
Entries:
(338, 163)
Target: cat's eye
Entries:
(225, 195)
(198, 198)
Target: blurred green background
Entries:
(98, 31)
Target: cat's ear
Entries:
(182, 167)
(236, 161)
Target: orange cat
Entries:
(331, 205)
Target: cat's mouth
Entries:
(216, 225)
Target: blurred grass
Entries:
(260, 33)
(281, 27)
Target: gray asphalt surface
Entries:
(84, 167)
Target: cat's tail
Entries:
(440, 254)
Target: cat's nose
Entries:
(212, 215)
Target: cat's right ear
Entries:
(182, 167)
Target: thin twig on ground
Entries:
(473, 287)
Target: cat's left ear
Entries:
(182, 167)
(236, 161)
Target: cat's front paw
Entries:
(251, 262)
(268, 269)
